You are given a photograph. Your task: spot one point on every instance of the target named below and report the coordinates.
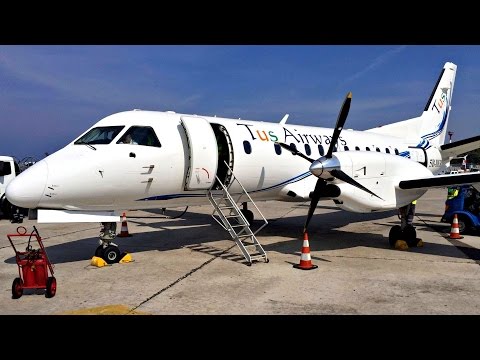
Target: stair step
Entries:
(256, 257)
(244, 236)
(226, 208)
(224, 202)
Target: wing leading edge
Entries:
(460, 147)
(441, 181)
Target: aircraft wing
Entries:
(460, 147)
(442, 181)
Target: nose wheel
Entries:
(111, 254)
(99, 251)
(107, 250)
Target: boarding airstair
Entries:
(228, 214)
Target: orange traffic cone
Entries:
(124, 231)
(305, 259)
(455, 230)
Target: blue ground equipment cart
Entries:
(465, 202)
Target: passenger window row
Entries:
(308, 149)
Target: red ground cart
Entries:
(33, 266)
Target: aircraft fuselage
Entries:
(193, 149)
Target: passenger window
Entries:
(345, 148)
(308, 151)
(140, 135)
(396, 151)
(293, 146)
(320, 150)
(367, 149)
(99, 135)
(357, 148)
(335, 148)
(377, 150)
(387, 150)
(278, 149)
(247, 147)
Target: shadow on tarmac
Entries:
(196, 230)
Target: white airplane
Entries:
(179, 158)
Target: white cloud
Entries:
(374, 64)
(84, 74)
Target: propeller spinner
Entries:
(328, 167)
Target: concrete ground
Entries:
(188, 265)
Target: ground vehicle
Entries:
(464, 201)
(458, 164)
(9, 169)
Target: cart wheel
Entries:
(111, 254)
(17, 288)
(99, 251)
(51, 287)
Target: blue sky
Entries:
(50, 94)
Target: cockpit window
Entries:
(99, 135)
(140, 135)
(5, 168)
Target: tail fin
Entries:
(430, 128)
(434, 119)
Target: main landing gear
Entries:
(108, 250)
(247, 213)
(404, 236)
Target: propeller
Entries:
(315, 196)
(339, 174)
(327, 167)
(342, 117)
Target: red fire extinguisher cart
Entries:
(33, 265)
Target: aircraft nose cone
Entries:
(316, 168)
(28, 187)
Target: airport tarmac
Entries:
(189, 265)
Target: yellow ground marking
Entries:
(105, 310)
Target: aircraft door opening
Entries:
(203, 154)
(418, 155)
(225, 155)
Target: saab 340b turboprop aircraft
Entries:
(175, 160)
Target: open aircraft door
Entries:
(203, 153)
(418, 154)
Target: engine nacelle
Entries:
(379, 173)
(431, 158)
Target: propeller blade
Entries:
(295, 152)
(339, 174)
(317, 192)
(342, 117)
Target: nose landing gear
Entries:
(108, 250)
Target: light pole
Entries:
(450, 133)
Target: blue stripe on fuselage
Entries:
(186, 195)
